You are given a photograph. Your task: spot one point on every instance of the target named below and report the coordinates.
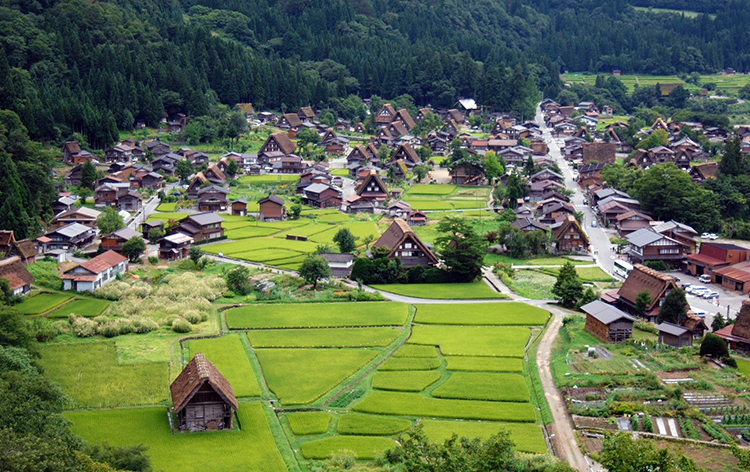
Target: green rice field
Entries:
(227, 354)
(405, 381)
(484, 386)
(528, 437)
(442, 291)
(269, 178)
(497, 314)
(473, 341)
(299, 376)
(424, 189)
(88, 307)
(729, 83)
(306, 315)
(484, 364)
(42, 302)
(306, 423)
(332, 337)
(411, 404)
(446, 197)
(371, 425)
(89, 374)
(410, 363)
(250, 449)
(412, 350)
(365, 447)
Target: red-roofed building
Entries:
(94, 273)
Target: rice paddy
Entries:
(484, 386)
(473, 341)
(305, 423)
(476, 290)
(333, 337)
(42, 302)
(364, 447)
(371, 425)
(405, 381)
(306, 315)
(490, 314)
(88, 307)
(227, 354)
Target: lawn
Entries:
(364, 447)
(89, 374)
(42, 302)
(309, 422)
(167, 207)
(410, 363)
(412, 404)
(250, 449)
(426, 189)
(332, 337)
(484, 364)
(88, 307)
(227, 354)
(484, 386)
(405, 381)
(528, 437)
(442, 291)
(299, 376)
(371, 425)
(473, 341)
(412, 350)
(498, 314)
(307, 315)
(743, 366)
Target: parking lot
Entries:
(727, 299)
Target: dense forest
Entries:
(95, 67)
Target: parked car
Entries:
(700, 292)
(704, 279)
(705, 235)
(593, 223)
(712, 236)
(709, 294)
(686, 286)
(696, 288)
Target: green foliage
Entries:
(345, 240)
(14, 330)
(363, 447)
(315, 422)
(195, 254)
(183, 169)
(713, 346)
(642, 301)
(88, 175)
(527, 437)
(674, 309)
(120, 458)
(238, 279)
(134, 248)
(109, 221)
(461, 248)
(568, 287)
(313, 269)
(718, 322)
(656, 265)
(648, 425)
(623, 454)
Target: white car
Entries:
(712, 236)
(705, 235)
(708, 294)
(695, 288)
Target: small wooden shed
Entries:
(674, 335)
(202, 398)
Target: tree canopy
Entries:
(461, 248)
(568, 287)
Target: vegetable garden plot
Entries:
(405, 381)
(473, 341)
(330, 337)
(498, 314)
(365, 447)
(412, 404)
(305, 423)
(299, 376)
(313, 315)
(528, 437)
(371, 425)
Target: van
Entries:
(704, 279)
(698, 312)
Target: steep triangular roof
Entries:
(643, 278)
(397, 233)
(196, 373)
(372, 177)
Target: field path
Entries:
(564, 441)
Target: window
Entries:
(669, 251)
(567, 236)
(576, 236)
(407, 245)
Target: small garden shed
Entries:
(202, 398)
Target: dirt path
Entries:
(564, 440)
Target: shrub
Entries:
(192, 316)
(83, 327)
(634, 422)
(729, 361)
(181, 326)
(648, 426)
(43, 330)
(143, 325)
(153, 260)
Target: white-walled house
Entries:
(94, 273)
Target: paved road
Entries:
(598, 237)
(564, 441)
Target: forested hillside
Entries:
(93, 67)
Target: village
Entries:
(190, 280)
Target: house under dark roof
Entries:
(202, 398)
(18, 277)
(607, 322)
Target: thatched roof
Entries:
(196, 373)
(15, 273)
(644, 278)
(742, 323)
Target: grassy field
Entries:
(497, 314)
(725, 83)
(473, 341)
(303, 315)
(410, 363)
(446, 197)
(229, 357)
(371, 425)
(42, 302)
(411, 404)
(484, 386)
(364, 447)
(586, 274)
(87, 307)
(331, 337)
(312, 422)
(528, 437)
(442, 291)
(424, 189)
(250, 449)
(299, 376)
(88, 373)
(405, 381)
(167, 207)
(490, 259)
(412, 350)
(533, 284)
(484, 364)
(269, 178)
(743, 366)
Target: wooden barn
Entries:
(202, 399)
(607, 322)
